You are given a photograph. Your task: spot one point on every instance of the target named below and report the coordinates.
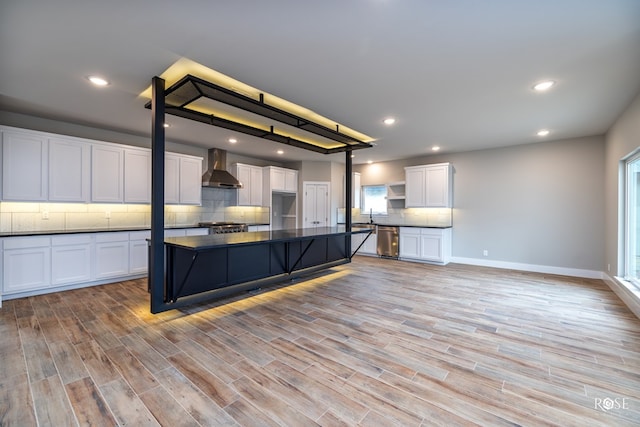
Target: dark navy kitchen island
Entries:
(199, 268)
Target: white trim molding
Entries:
(625, 291)
(549, 269)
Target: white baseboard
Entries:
(563, 271)
(624, 290)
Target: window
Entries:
(632, 219)
(374, 199)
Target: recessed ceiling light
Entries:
(543, 132)
(369, 162)
(280, 152)
(435, 148)
(353, 155)
(233, 140)
(98, 81)
(542, 86)
(166, 125)
(389, 121)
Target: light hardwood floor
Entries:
(374, 342)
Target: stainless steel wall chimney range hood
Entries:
(216, 174)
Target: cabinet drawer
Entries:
(76, 239)
(118, 236)
(139, 235)
(26, 242)
(410, 230)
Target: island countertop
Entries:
(232, 239)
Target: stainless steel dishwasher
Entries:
(388, 241)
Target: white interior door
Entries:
(315, 207)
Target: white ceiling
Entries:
(455, 73)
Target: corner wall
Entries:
(537, 207)
(622, 140)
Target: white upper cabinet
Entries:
(137, 176)
(182, 179)
(415, 186)
(39, 166)
(171, 179)
(69, 170)
(281, 179)
(251, 178)
(107, 173)
(24, 166)
(428, 186)
(190, 180)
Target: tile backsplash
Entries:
(217, 205)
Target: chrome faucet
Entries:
(371, 216)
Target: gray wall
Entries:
(621, 140)
(539, 204)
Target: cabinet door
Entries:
(251, 178)
(69, 170)
(70, 259)
(137, 176)
(431, 247)
(277, 179)
(409, 243)
(243, 173)
(171, 179)
(256, 187)
(437, 186)
(107, 174)
(415, 190)
(291, 180)
(112, 255)
(26, 264)
(24, 166)
(138, 256)
(370, 245)
(190, 181)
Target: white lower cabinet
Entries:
(139, 252)
(368, 248)
(425, 244)
(26, 264)
(71, 259)
(33, 265)
(112, 255)
(409, 242)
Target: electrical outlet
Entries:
(485, 252)
(107, 215)
(608, 267)
(45, 214)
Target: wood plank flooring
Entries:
(371, 343)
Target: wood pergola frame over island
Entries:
(200, 268)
